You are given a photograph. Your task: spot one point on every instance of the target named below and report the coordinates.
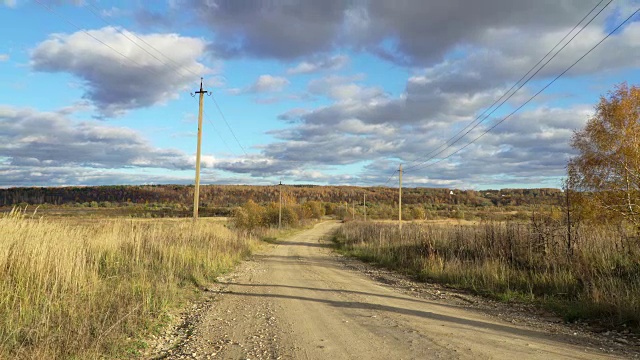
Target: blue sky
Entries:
(333, 92)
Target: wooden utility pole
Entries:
(569, 248)
(364, 207)
(400, 200)
(280, 209)
(196, 193)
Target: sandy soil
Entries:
(300, 300)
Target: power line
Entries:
(537, 93)
(125, 35)
(217, 132)
(390, 177)
(224, 142)
(519, 87)
(175, 68)
(517, 82)
(177, 65)
(228, 126)
(95, 38)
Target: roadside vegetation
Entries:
(256, 218)
(72, 289)
(597, 277)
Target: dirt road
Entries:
(297, 300)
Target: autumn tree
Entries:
(606, 170)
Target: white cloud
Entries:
(113, 12)
(50, 139)
(344, 88)
(4, 57)
(268, 83)
(73, 175)
(116, 84)
(324, 63)
(264, 84)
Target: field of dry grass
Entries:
(76, 288)
(597, 278)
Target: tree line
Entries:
(237, 195)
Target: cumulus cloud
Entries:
(64, 176)
(275, 29)
(531, 146)
(407, 31)
(343, 88)
(4, 57)
(530, 149)
(323, 63)
(268, 83)
(115, 84)
(263, 84)
(497, 59)
(153, 20)
(50, 139)
(292, 115)
(49, 148)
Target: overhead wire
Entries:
(217, 132)
(48, 8)
(176, 64)
(447, 143)
(517, 82)
(176, 67)
(519, 87)
(537, 93)
(390, 177)
(224, 118)
(154, 71)
(182, 67)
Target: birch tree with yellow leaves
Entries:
(606, 171)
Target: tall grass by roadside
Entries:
(598, 277)
(73, 290)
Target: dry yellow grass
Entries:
(599, 279)
(73, 289)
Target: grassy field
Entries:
(597, 278)
(80, 288)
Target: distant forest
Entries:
(234, 195)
